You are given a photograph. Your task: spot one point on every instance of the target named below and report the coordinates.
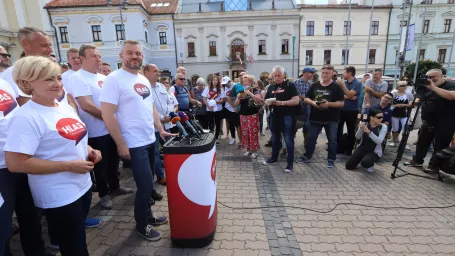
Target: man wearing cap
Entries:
(231, 115)
(303, 84)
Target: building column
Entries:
(201, 56)
(273, 53)
(223, 54)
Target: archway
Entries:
(237, 45)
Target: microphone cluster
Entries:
(186, 124)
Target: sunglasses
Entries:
(379, 117)
(181, 79)
(5, 55)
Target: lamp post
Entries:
(122, 6)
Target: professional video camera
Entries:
(420, 85)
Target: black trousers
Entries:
(350, 118)
(214, 121)
(234, 121)
(18, 197)
(203, 121)
(362, 157)
(68, 224)
(442, 134)
(106, 170)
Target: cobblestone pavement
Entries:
(348, 230)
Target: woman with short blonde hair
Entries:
(48, 141)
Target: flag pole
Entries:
(420, 45)
(369, 39)
(348, 32)
(399, 45)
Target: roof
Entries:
(150, 6)
(342, 6)
(190, 6)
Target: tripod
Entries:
(405, 136)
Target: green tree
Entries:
(424, 66)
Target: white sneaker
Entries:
(247, 153)
(371, 169)
(392, 144)
(253, 155)
(407, 147)
(232, 141)
(287, 170)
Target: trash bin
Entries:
(191, 190)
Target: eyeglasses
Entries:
(181, 79)
(5, 55)
(379, 117)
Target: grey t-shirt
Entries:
(379, 87)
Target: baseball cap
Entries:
(308, 70)
(225, 80)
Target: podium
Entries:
(191, 190)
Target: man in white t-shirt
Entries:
(161, 101)
(75, 63)
(86, 86)
(131, 119)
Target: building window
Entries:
(285, 46)
(120, 32)
(163, 39)
(422, 54)
(327, 56)
(403, 23)
(447, 24)
(426, 26)
(344, 58)
(146, 35)
(310, 28)
(96, 33)
(451, 1)
(372, 56)
(375, 28)
(262, 47)
(309, 57)
(428, 2)
(64, 34)
(191, 50)
(347, 29)
(442, 55)
(212, 48)
(328, 28)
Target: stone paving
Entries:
(347, 230)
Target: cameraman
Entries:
(438, 115)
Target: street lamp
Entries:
(122, 6)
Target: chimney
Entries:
(200, 7)
(250, 5)
(273, 4)
(222, 6)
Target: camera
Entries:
(420, 85)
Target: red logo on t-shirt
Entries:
(7, 102)
(212, 95)
(100, 84)
(142, 90)
(61, 97)
(71, 129)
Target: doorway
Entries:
(236, 74)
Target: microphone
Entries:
(176, 120)
(184, 118)
(195, 123)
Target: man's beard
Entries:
(4, 65)
(135, 67)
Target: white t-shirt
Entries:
(84, 83)
(8, 77)
(54, 134)
(132, 95)
(214, 95)
(1, 74)
(66, 80)
(228, 105)
(8, 106)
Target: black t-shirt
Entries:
(282, 92)
(247, 105)
(330, 93)
(436, 109)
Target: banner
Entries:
(402, 39)
(411, 37)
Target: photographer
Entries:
(438, 115)
(372, 134)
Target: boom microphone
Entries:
(176, 120)
(195, 123)
(184, 118)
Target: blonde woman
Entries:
(48, 141)
(174, 105)
(249, 101)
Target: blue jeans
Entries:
(142, 160)
(288, 134)
(17, 197)
(158, 168)
(313, 132)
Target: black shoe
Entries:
(431, 169)
(349, 153)
(149, 233)
(413, 163)
(268, 144)
(156, 196)
(156, 221)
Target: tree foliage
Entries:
(424, 66)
